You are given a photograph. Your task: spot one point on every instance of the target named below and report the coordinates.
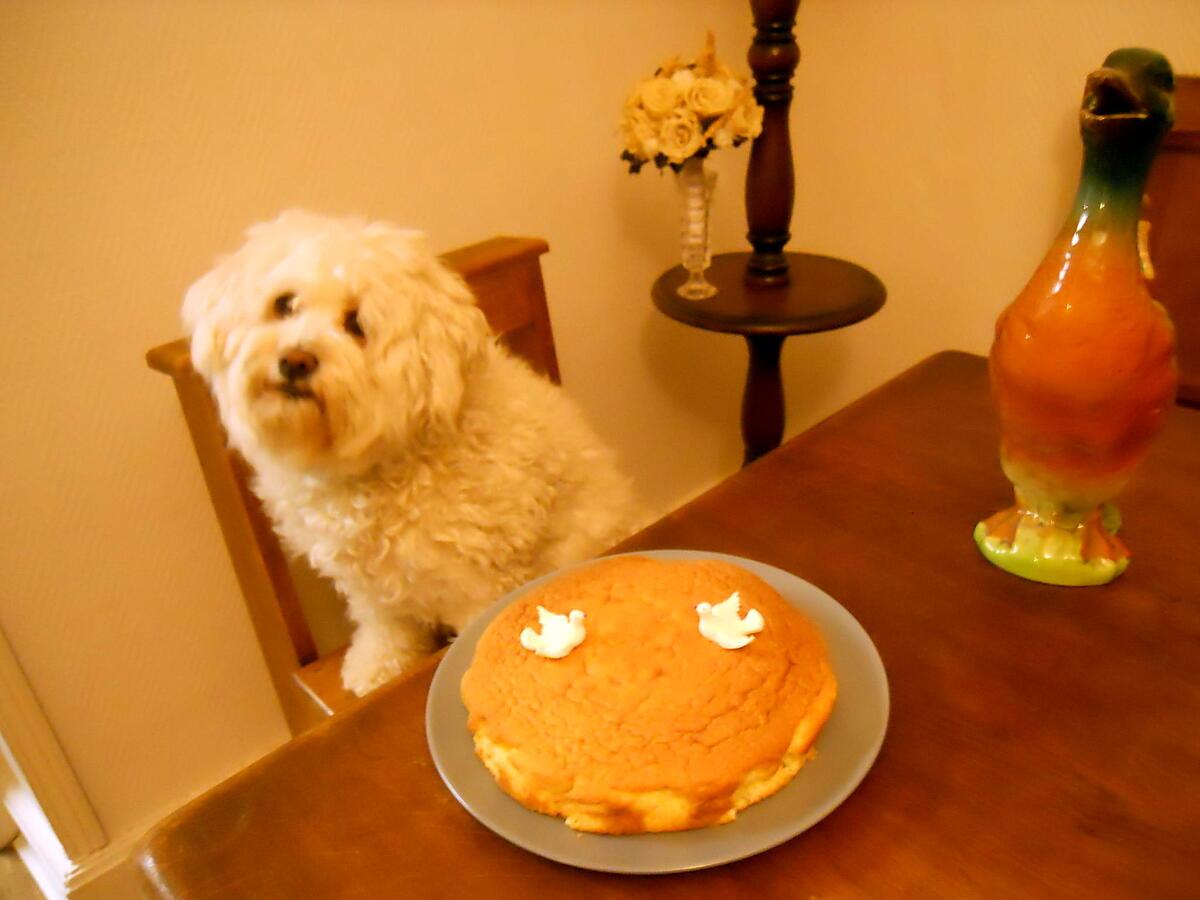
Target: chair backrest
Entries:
(506, 277)
(1173, 210)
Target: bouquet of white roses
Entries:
(688, 109)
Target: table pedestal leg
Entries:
(762, 402)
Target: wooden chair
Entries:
(1173, 212)
(506, 276)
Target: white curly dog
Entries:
(417, 464)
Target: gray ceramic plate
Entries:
(846, 749)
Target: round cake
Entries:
(648, 725)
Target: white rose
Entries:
(683, 79)
(709, 97)
(641, 136)
(659, 96)
(720, 132)
(747, 118)
(680, 135)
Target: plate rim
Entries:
(811, 816)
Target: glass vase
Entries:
(696, 184)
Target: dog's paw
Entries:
(373, 660)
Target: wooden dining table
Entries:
(1043, 741)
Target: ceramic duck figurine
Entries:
(1083, 365)
(721, 624)
(559, 635)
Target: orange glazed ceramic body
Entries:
(1083, 365)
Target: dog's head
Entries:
(333, 343)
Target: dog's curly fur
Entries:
(416, 463)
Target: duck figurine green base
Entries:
(1083, 366)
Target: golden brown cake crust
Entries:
(647, 726)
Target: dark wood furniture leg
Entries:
(770, 181)
(762, 402)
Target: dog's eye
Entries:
(283, 305)
(350, 323)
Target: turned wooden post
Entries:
(770, 185)
(762, 399)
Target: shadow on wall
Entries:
(324, 608)
(704, 373)
(701, 372)
(815, 366)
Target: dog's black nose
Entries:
(297, 364)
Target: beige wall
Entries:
(934, 143)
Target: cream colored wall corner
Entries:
(934, 143)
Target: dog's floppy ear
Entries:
(449, 330)
(452, 334)
(202, 317)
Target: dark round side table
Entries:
(822, 293)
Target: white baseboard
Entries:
(107, 874)
(37, 845)
(37, 762)
(49, 878)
